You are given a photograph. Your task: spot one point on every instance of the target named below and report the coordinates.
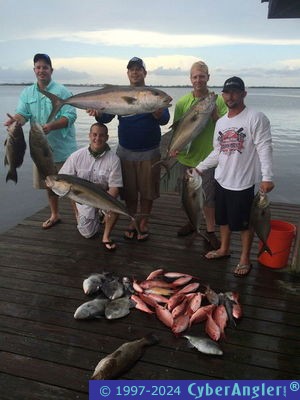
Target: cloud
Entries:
(161, 71)
(126, 37)
(152, 39)
(10, 75)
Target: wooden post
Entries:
(295, 265)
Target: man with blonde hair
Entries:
(200, 147)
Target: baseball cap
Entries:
(233, 83)
(42, 56)
(136, 61)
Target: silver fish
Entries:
(117, 100)
(192, 197)
(128, 287)
(15, 149)
(91, 309)
(119, 308)
(113, 288)
(260, 220)
(204, 345)
(85, 192)
(94, 282)
(40, 150)
(192, 123)
(116, 363)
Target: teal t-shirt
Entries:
(34, 106)
(202, 145)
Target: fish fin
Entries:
(264, 248)
(151, 339)
(189, 344)
(12, 176)
(129, 99)
(173, 126)
(77, 192)
(164, 163)
(5, 160)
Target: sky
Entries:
(91, 41)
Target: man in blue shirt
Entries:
(33, 106)
(139, 141)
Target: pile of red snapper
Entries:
(177, 302)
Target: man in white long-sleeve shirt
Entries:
(242, 156)
(98, 164)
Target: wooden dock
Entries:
(46, 354)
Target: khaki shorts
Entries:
(38, 181)
(140, 178)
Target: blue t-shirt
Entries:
(140, 132)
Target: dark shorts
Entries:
(233, 207)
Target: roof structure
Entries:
(283, 8)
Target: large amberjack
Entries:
(260, 220)
(83, 191)
(186, 129)
(193, 197)
(117, 100)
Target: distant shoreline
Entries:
(158, 86)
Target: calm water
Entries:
(282, 106)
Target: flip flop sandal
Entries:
(107, 245)
(246, 268)
(50, 223)
(145, 235)
(130, 232)
(216, 256)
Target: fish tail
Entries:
(151, 339)
(165, 164)
(264, 248)
(57, 103)
(12, 175)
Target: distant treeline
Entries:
(157, 86)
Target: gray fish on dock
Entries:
(94, 282)
(113, 288)
(85, 192)
(123, 358)
(204, 345)
(40, 150)
(192, 123)
(118, 308)
(91, 309)
(15, 149)
(112, 99)
(192, 197)
(260, 220)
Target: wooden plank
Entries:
(45, 349)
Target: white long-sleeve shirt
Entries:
(242, 151)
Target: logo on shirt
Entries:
(231, 140)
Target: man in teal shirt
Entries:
(35, 107)
(200, 147)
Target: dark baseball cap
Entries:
(44, 57)
(136, 61)
(234, 83)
